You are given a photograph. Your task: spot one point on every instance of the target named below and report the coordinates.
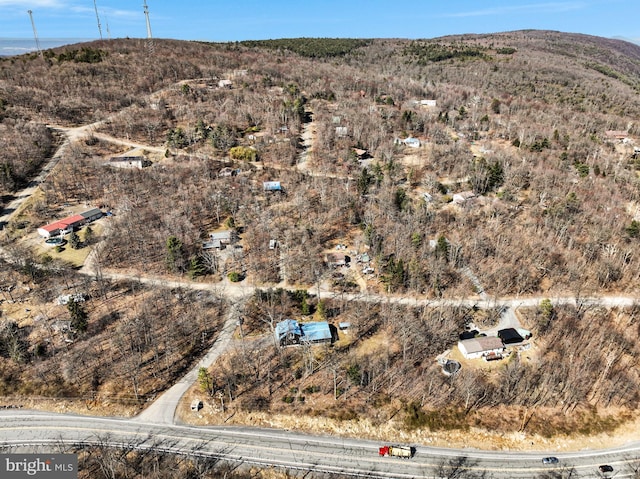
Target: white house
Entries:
(475, 348)
(462, 197)
(138, 162)
(410, 142)
(67, 225)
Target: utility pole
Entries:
(35, 33)
(95, 6)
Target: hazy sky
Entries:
(217, 20)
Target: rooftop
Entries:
(311, 332)
(482, 343)
(510, 336)
(318, 331)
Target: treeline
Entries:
(83, 55)
(423, 52)
(311, 47)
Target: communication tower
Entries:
(35, 33)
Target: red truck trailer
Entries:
(398, 451)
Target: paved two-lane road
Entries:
(299, 451)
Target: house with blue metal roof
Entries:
(290, 332)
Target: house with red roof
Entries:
(67, 225)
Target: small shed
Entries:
(271, 186)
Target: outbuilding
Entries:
(92, 215)
(271, 186)
(510, 336)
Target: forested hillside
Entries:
(501, 165)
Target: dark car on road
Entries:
(605, 468)
(550, 460)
